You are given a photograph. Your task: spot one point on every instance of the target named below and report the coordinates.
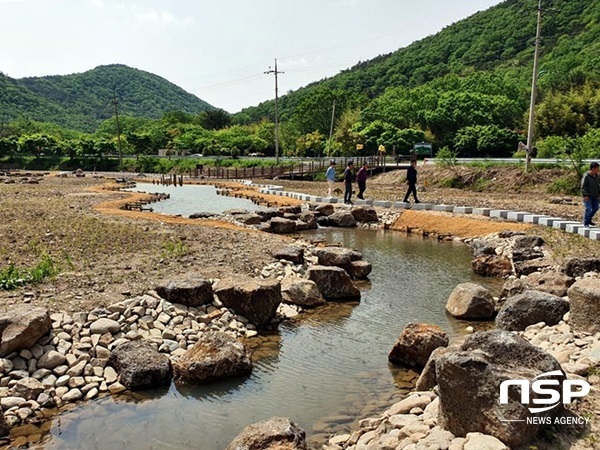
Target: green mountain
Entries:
(82, 101)
(496, 45)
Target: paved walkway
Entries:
(568, 226)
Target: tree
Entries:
(214, 119)
(8, 146)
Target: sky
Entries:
(217, 49)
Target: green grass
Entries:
(12, 277)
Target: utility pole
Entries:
(276, 72)
(331, 127)
(530, 128)
(115, 103)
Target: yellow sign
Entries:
(359, 146)
(382, 149)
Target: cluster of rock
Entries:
(51, 359)
(509, 253)
(188, 330)
(20, 178)
(547, 321)
(289, 219)
(456, 405)
(309, 273)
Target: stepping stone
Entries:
(574, 228)
(382, 203)
(423, 206)
(533, 218)
(444, 208)
(401, 205)
(594, 234)
(463, 210)
(516, 216)
(562, 224)
(499, 213)
(548, 221)
(482, 211)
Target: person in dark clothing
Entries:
(411, 180)
(348, 176)
(590, 187)
(361, 179)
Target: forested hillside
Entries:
(466, 89)
(469, 82)
(82, 101)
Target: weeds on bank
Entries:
(12, 277)
(174, 250)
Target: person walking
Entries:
(361, 179)
(330, 176)
(590, 187)
(348, 176)
(411, 180)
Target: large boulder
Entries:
(280, 225)
(268, 213)
(416, 343)
(256, 300)
(364, 214)
(584, 297)
(140, 366)
(555, 283)
(309, 218)
(276, 433)
(290, 253)
(529, 308)
(469, 386)
(342, 219)
(428, 378)
(325, 209)
(299, 291)
(216, 355)
(491, 265)
(336, 256)
(22, 327)
(471, 301)
(359, 269)
(189, 292)
(333, 282)
(577, 267)
(527, 247)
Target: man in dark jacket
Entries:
(348, 176)
(411, 180)
(590, 187)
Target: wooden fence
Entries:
(299, 169)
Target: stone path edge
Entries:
(567, 226)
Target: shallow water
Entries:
(189, 199)
(324, 371)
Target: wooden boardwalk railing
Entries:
(299, 169)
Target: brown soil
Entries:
(106, 253)
(447, 224)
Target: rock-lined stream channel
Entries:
(324, 370)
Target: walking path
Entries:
(568, 226)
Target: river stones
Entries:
(257, 300)
(216, 355)
(140, 366)
(471, 301)
(188, 292)
(276, 433)
(22, 327)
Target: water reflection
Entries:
(325, 370)
(189, 199)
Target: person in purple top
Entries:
(361, 179)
